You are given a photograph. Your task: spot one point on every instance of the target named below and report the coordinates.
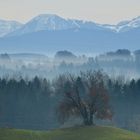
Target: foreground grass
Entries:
(79, 133)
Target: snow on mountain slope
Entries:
(124, 25)
(8, 26)
(128, 25)
(51, 33)
(53, 22)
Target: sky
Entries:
(101, 11)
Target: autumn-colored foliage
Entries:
(85, 96)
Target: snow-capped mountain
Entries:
(8, 26)
(51, 33)
(52, 22)
(45, 22)
(124, 25)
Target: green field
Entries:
(79, 133)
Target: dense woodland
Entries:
(33, 103)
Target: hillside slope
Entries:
(83, 133)
(78, 41)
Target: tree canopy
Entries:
(85, 96)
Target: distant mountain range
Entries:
(7, 27)
(125, 25)
(53, 23)
(51, 33)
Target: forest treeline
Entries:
(32, 103)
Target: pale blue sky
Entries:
(102, 11)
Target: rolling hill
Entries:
(81, 41)
(79, 133)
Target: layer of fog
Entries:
(121, 63)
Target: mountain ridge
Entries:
(125, 25)
(7, 26)
(52, 22)
(55, 22)
(51, 33)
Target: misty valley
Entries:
(120, 63)
(33, 85)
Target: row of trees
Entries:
(37, 103)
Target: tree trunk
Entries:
(88, 120)
(91, 118)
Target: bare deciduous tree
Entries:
(85, 96)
